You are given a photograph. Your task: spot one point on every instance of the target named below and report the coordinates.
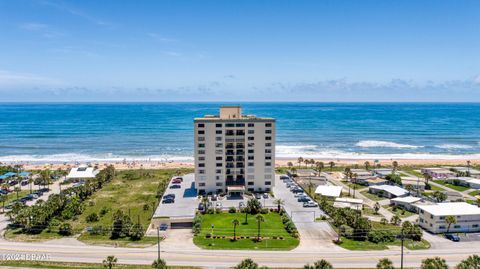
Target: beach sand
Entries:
(278, 163)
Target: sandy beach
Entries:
(278, 163)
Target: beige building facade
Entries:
(234, 153)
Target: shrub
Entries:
(93, 217)
(232, 210)
(98, 230)
(264, 211)
(380, 236)
(65, 229)
(211, 211)
(103, 211)
(53, 225)
(146, 207)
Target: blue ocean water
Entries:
(164, 131)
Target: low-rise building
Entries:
(433, 217)
(361, 172)
(438, 172)
(82, 172)
(388, 191)
(329, 191)
(415, 183)
(383, 172)
(370, 181)
(471, 182)
(472, 172)
(407, 202)
(356, 204)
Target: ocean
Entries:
(37, 132)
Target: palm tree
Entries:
(332, 164)
(319, 167)
(427, 177)
(246, 264)
(472, 262)
(395, 220)
(290, 165)
(259, 219)
(235, 223)
(205, 202)
(110, 262)
(376, 207)
(450, 220)
(312, 162)
(17, 190)
(468, 167)
(434, 263)
(367, 165)
(300, 161)
(321, 264)
(307, 162)
(3, 199)
(30, 181)
(395, 166)
(279, 203)
(159, 264)
(385, 263)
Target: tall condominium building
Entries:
(234, 153)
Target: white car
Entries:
(298, 195)
(310, 204)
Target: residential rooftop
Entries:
(395, 190)
(229, 113)
(451, 209)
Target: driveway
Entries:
(314, 235)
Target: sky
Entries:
(332, 51)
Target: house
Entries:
(471, 182)
(438, 173)
(415, 183)
(370, 181)
(383, 172)
(82, 172)
(433, 217)
(474, 183)
(356, 204)
(407, 202)
(329, 191)
(471, 171)
(388, 191)
(361, 172)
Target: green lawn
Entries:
(357, 186)
(401, 213)
(62, 265)
(474, 193)
(272, 227)
(451, 186)
(372, 196)
(129, 195)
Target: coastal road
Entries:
(452, 252)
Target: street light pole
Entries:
(158, 241)
(401, 257)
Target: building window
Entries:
(251, 131)
(268, 144)
(218, 171)
(218, 138)
(250, 138)
(250, 183)
(201, 138)
(251, 151)
(201, 125)
(201, 132)
(251, 164)
(268, 131)
(201, 152)
(268, 157)
(457, 226)
(201, 184)
(268, 183)
(218, 151)
(229, 125)
(268, 138)
(475, 226)
(251, 189)
(219, 164)
(268, 125)
(201, 158)
(201, 165)
(218, 125)
(201, 171)
(218, 145)
(218, 131)
(201, 145)
(251, 144)
(268, 151)
(240, 125)
(251, 157)
(268, 164)
(218, 158)
(219, 184)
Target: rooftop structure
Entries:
(82, 172)
(356, 204)
(329, 191)
(388, 191)
(438, 172)
(383, 172)
(433, 217)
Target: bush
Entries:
(211, 211)
(381, 236)
(98, 230)
(146, 207)
(93, 217)
(264, 211)
(103, 211)
(65, 229)
(232, 210)
(53, 225)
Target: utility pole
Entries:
(158, 242)
(401, 257)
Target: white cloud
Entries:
(161, 38)
(33, 26)
(18, 79)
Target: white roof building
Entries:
(406, 199)
(330, 191)
(82, 172)
(432, 217)
(356, 204)
(392, 191)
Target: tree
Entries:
(159, 264)
(385, 263)
(235, 223)
(395, 220)
(319, 167)
(395, 166)
(376, 207)
(384, 221)
(279, 203)
(332, 164)
(254, 206)
(427, 177)
(65, 229)
(290, 165)
(17, 190)
(246, 264)
(136, 232)
(3, 199)
(259, 219)
(434, 263)
(300, 161)
(321, 264)
(450, 220)
(440, 196)
(472, 262)
(110, 262)
(307, 162)
(367, 165)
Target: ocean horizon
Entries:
(163, 131)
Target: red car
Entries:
(177, 180)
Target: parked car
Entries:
(303, 199)
(201, 207)
(265, 196)
(39, 193)
(13, 182)
(218, 205)
(297, 190)
(168, 201)
(177, 180)
(310, 204)
(284, 177)
(214, 197)
(241, 205)
(170, 195)
(24, 182)
(175, 186)
(300, 194)
(257, 196)
(3, 191)
(452, 237)
(163, 227)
